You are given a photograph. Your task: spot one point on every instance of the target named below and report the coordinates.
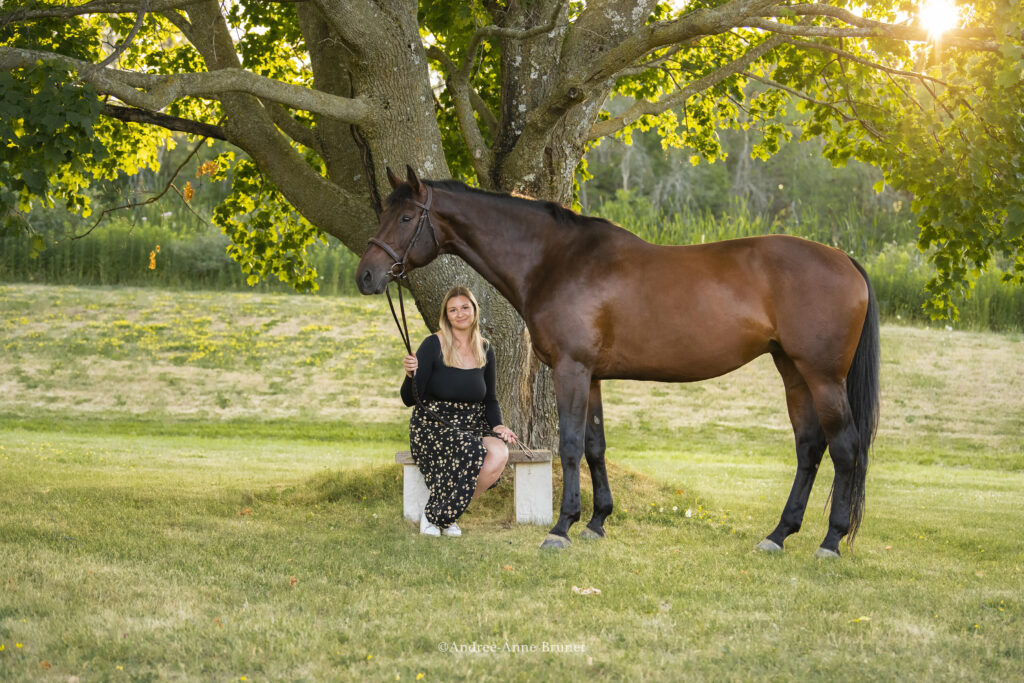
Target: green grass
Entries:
(166, 536)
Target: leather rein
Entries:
(398, 271)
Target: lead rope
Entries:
(403, 332)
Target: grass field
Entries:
(201, 486)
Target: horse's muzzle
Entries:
(369, 282)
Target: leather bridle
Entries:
(398, 269)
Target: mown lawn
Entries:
(200, 486)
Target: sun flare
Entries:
(938, 16)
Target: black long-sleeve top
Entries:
(435, 380)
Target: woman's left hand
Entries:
(506, 434)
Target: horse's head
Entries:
(407, 237)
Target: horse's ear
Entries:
(412, 179)
(393, 179)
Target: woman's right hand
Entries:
(411, 364)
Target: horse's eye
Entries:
(404, 219)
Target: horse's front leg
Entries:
(572, 385)
(594, 448)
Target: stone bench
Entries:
(532, 485)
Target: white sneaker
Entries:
(453, 530)
(427, 528)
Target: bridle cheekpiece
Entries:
(398, 269)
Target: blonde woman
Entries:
(455, 376)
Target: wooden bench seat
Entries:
(532, 486)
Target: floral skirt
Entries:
(449, 460)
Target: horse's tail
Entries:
(862, 389)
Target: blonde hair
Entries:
(444, 330)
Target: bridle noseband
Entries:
(398, 269)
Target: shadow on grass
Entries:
(638, 498)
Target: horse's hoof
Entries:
(555, 541)
(591, 535)
(826, 554)
(768, 546)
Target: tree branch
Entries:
(494, 31)
(249, 126)
(861, 22)
(644, 66)
(458, 87)
(675, 99)
(119, 50)
(904, 33)
(150, 200)
(701, 22)
(484, 112)
(864, 61)
(164, 121)
(294, 129)
(874, 132)
(179, 21)
(154, 92)
(95, 7)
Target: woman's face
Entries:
(460, 313)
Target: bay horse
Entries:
(601, 303)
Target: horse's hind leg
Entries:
(594, 447)
(833, 408)
(810, 447)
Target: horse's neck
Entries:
(502, 249)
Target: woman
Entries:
(455, 380)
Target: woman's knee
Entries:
(500, 454)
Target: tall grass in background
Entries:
(119, 254)
(884, 242)
(851, 230)
(899, 273)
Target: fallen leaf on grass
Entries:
(859, 620)
(508, 568)
(586, 591)
(44, 665)
(244, 511)
(293, 581)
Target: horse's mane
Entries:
(555, 210)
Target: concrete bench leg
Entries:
(533, 493)
(532, 497)
(414, 493)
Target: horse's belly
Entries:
(682, 358)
